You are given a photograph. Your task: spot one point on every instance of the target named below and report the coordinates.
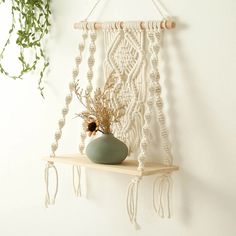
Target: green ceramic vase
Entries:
(107, 150)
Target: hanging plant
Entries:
(31, 23)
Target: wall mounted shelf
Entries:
(128, 167)
(131, 76)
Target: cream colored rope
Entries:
(69, 96)
(132, 201)
(149, 100)
(162, 186)
(50, 200)
(157, 4)
(77, 180)
(92, 9)
(90, 75)
(164, 133)
(61, 123)
(125, 57)
(160, 8)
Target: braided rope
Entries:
(164, 134)
(89, 88)
(61, 124)
(150, 104)
(69, 96)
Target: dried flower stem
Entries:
(99, 106)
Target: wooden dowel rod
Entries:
(166, 24)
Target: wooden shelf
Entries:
(128, 167)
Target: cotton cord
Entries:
(160, 8)
(68, 99)
(50, 200)
(125, 57)
(90, 76)
(132, 201)
(155, 76)
(162, 187)
(76, 170)
(149, 98)
(61, 123)
(92, 9)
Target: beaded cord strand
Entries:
(162, 185)
(165, 142)
(149, 102)
(90, 75)
(61, 123)
(69, 96)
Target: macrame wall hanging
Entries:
(131, 53)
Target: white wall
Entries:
(199, 70)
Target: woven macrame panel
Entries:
(132, 55)
(124, 50)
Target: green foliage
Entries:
(30, 21)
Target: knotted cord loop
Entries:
(162, 187)
(76, 170)
(50, 200)
(132, 201)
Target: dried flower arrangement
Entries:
(100, 113)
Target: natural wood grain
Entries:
(128, 167)
(166, 24)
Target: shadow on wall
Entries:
(209, 197)
(165, 57)
(203, 118)
(199, 108)
(172, 39)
